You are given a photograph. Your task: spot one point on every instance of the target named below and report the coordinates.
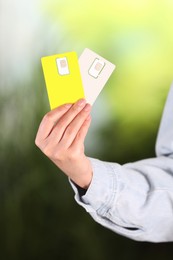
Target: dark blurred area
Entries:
(39, 218)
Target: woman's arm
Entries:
(135, 199)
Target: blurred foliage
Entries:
(39, 218)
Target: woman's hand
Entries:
(61, 136)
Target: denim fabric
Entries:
(136, 199)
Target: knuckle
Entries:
(79, 135)
(37, 142)
(48, 117)
(75, 108)
(69, 131)
(55, 132)
(47, 151)
(61, 123)
(61, 108)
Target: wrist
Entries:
(83, 176)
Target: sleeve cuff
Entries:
(102, 189)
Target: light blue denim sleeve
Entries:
(164, 143)
(136, 199)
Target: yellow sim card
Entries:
(63, 79)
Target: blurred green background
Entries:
(39, 218)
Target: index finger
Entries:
(50, 119)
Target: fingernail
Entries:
(81, 102)
(87, 107)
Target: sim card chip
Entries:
(96, 68)
(62, 65)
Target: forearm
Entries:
(134, 200)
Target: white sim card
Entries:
(95, 72)
(62, 65)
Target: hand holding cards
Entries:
(68, 80)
